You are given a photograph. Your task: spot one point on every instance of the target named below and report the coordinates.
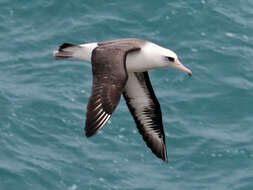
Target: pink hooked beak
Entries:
(178, 65)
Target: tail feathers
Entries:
(62, 55)
(66, 51)
(65, 46)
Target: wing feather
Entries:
(109, 79)
(145, 109)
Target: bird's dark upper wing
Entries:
(145, 109)
(109, 79)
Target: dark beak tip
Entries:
(190, 74)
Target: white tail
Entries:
(71, 51)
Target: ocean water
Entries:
(207, 118)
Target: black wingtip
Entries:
(89, 133)
(162, 156)
(159, 152)
(65, 45)
(165, 159)
(90, 130)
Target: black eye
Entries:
(171, 59)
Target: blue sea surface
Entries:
(207, 118)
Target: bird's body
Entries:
(120, 67)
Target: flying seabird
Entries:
(121, 67)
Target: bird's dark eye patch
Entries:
(171, 59)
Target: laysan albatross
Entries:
(121, 67)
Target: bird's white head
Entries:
(167, 58)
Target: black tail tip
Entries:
(65, 45)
